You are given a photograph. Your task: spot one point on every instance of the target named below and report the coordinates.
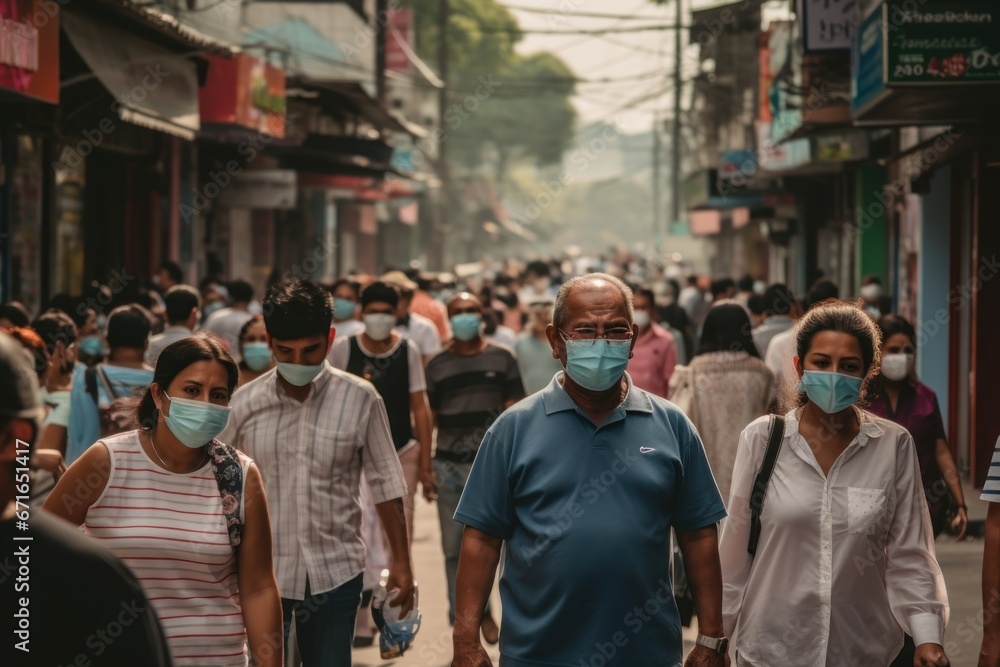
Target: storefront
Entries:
(130, 115)
(933, 71)
(244, 198)
(29, 93)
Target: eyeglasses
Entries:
(591, 334)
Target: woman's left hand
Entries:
(930, 655)
(960, 523)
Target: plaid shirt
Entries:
(311, 455)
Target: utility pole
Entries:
(675, 195)
(437, 244)
(381, 35)
(657, 194)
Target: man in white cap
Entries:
(416, 327)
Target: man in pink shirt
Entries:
(655, 353)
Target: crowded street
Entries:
(499, 333)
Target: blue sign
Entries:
(868, 60)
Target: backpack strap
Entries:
(228, 473)
(763, 479)
(90, 382)
(106, 381)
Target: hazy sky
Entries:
(612, 56)
(615, 56)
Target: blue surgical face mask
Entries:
(212, 307)
(831, 392)
(92, 346)
(257, 355)
(395, 634)
(466, 326)
(298, 374)
(195, 423)
(343, 309)
(597, 364)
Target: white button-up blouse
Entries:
(845, 562)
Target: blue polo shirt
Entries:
(586, 513)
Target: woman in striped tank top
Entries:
(166, 499)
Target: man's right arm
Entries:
(477, 567)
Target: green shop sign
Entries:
(942, 42)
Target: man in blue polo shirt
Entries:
(583, 481)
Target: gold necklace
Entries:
(152, 443)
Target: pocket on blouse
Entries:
(865, 510)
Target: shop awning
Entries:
(351, 97)
(153, 87)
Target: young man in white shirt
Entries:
(311, 430)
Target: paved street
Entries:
(961, 562)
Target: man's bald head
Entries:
(592, 282)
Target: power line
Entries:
(561, 14)
(582, 31)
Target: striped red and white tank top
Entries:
(171, 532)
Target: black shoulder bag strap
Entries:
(90, 382)
(763, 479)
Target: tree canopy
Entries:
(501, 104)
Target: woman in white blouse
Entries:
(845, 560)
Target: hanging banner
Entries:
(827, 25)
(29, 48)
(938, 42)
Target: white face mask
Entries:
(871, 292)
(895, 367)
(641, 318)
(378, 326)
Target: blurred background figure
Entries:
(536, 285)
(416, 327)
(873, 300)
(214, 297)
(168, 275)
(780, 311)
(58, 332)
(182, 304)
(780, 353)
(654, 355)
(534, 354)
(725, 387)
(899, 396)
(255, 355)
(346, 295)
(424, 304)
(99, 401)
(227, 322)
(675, 319)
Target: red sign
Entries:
(244, 91)
(400, 29)
(29, 48)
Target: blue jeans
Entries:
(451, 479)
(324, 624)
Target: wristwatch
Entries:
(718, 644)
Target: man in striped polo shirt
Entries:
(469, 384)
